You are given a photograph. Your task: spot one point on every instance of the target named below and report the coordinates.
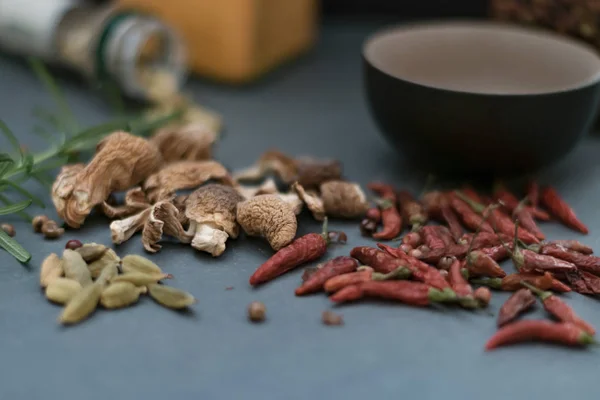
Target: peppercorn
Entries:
(73, 244)
(9, 229)
(51, 230)
(38, 221)
(257, 311)
(332, 319)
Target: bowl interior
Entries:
(483, 57)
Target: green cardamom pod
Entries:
(51, 269)
(108, 258)
(170, 297)
(121, 294)
(140, 279)
(82, 304)
(91, 252)
(61, 290)
(135, 263)
(75, 268)
(108, 273)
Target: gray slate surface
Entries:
(384, 351)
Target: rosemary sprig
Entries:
(23, 166)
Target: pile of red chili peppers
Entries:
(469, 235)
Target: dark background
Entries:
(407, 9)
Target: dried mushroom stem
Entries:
(188, 142)
(135, 201)
(270, 217)
(184, 175)
(211, 212)
(162, 220)
(121, 161)
(122, 230)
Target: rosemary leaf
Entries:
(36, 200)
(6, 163)
(144, 127)
(25, 216)
(13, 247)
(15, 207)
(66, 115)
(11, 137)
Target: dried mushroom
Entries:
(122, 230)
(309, 172)
(211, 212)
(269, 216)
(293, 200)
(121, 161)
(189, 142)
(312, 201)
(135, 201)
(184, 175)
(62, 188)
(267, 187)
(343, 199)
(162, 220)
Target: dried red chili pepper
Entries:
(484, 239)
(451, 219)
(559, 309)
(559, 287)
(510, 203)
(420, 270)
(512, 282)
(522, 214)
(378, 260)
(592, 282)
(412, 293)
(480, 264)
(390, 216)
(445, 234)
(337, 266)
(413, 239)
(431, 237)
(497, 253)
(522, 300)
(559, 208)
(412, 211)
(469, 218)
(499, 220)
(461, 286)
(573, 245)
(302, 250)
(578, 282)
(369, 224)
(546, 331)
(364, 274)
(583, 262)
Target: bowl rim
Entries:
(483, 24)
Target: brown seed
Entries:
(121, 294)
(51, 269)
(109, 257)
(135, 263)
(332, 319)
(170, 297)
(91, 252)
(140, 279)
(51, 230)
(9, 229)
(75, 268)
(82, 304)
(73, 244)
(62, 290)
(257, 311)
(37, 222)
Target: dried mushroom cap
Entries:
(63, 187)
(308, 171)
(184, 175)
(293, 200)
(135, 201)
(267, 187)
(121, 161)
(211, 212)
(190, 142)
(162, 220)
(312, 201)
(312, 172)
(269, 216)
(214, 204)
(179, 202)
(344, 199)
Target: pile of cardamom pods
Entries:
(94, 274)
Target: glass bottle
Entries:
(145, 57)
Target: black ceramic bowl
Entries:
(480, 97)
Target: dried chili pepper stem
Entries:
(559, 308)
(398, 273)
